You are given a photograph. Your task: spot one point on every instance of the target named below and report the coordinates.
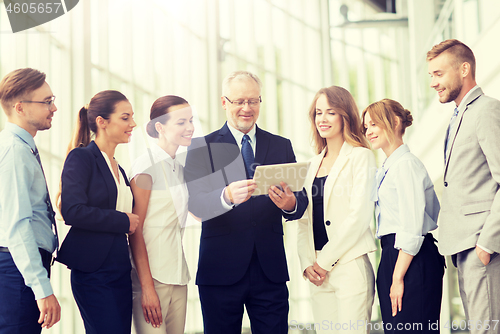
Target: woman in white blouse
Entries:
(410, 274)
(334, 238)
(160, 273)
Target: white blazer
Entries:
(348, 210)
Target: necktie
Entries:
(379, 177)
(447, 145)
(248, 157)
(47, 200)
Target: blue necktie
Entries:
(448, 134)
(48, 202)
(248, 157)
(379, 177)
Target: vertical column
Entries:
(87, 64)
(214, 47)
(420, 23)
(326, 44)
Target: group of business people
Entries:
(342, 187)
(141, 279)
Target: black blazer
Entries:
(88, 205)
(228, 238)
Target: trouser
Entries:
(266, 303)
(479, 289)
(423, 287)
(19, 311)
(173, 302)
(343, 303)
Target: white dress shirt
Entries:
(124, 198)
(238, 136)
(166, 216)
(406, 203)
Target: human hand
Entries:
(151, 307)
(239, 191)
(322, 272)
(396, 295)
(50, 311)
(134, 221)
(313, 277)
(483, 255)
(284, 199)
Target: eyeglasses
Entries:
(49, 103)
(240, 103)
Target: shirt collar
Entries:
(398, 153)
(21, 133)
(159, 154)
(461, 106)
(238, 135)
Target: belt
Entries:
(4, 249)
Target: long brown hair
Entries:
(343, 103)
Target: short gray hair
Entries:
(233, 75)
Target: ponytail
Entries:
(81, 136)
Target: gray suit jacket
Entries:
(470, 210)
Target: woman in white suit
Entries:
(334, 234)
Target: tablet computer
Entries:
(292, 174)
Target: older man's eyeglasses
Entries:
(49, 103)
(240, 103)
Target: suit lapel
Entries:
(109, 180)
(308, 185)
(226, 154)
(476, 94)
(313, 170)
(262, 146)
(337, 167)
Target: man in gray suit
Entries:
(469, 228)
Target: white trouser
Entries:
(343, 303)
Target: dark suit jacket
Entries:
(229, 237)
(88, 205)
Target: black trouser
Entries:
(423, 287)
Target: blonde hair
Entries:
(383, 114)
(343, 103)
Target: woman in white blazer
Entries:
(334, 234)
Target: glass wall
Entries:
(153, 48)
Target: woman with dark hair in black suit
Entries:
(96, 202)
